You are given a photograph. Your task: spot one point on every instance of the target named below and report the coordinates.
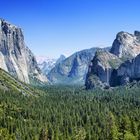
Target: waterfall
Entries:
(107, 75)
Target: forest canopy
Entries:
(71, 113)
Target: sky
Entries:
(55, 27)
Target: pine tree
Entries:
(43, 134)
(134, 128)
(113, 135)
(129, 136)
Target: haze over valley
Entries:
(54, 85)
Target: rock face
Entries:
(100, 69)
(47, 64)
(73, 69)
(60, 59)
(128, 72)
(126, 45)
(15, 57)
(117, 67)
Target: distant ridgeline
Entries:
(102, 68)
(73, 70)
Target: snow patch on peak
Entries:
(42, 59)
(46, 64)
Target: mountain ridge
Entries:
(72, 71)
(125, 49)
(46, 64)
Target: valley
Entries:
(78, 76)
(71, 113)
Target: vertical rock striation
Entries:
(73, 69)
(15, 57)
(118, 66)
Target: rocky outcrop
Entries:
(117, 67)
(127, 72)
(15, 57)
(73, 69)
(100, 69)
(60, 59)
(126, 45)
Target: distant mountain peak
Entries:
(41, 59)
(126, 44)
(4, 22)
(46, 64)
(73, 69)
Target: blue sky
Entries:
(54, 27)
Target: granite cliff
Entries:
(15, 57)
(118, 66)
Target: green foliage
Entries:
(126, 57)
(113, 133)
(129, 136)
(5, 135)
(9, 83)
(71, 113)
(43, 134)
(114, 63)
(80, 134)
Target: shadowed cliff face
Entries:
(15, 57)
(129, 71)
(117, 67)
(100, 70)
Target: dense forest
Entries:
(71, 113)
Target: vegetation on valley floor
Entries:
(69, 113)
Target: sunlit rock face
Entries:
(15, 57)
(119, 66)
(126, 45)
